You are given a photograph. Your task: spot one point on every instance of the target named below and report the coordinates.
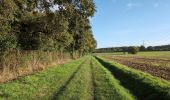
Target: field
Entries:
(87, 78)
(154, 63)
(49, 50)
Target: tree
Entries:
(133, 50)
(142, 48)
(77, 12)
(33, 25)
(7, 17)
(150, 48)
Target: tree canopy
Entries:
(49, 25)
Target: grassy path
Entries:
(87, 79)
(79, 87)
(93, 82)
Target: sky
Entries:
(130, 22)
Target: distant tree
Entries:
(142, 48)
(133, 50)
(150, 48)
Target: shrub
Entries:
(142, 48)
(133, 50)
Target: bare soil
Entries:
(158, 71)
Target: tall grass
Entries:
(39, 86)
(20, 63)
(142, 85)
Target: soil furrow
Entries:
(142, 85)
(158, 71)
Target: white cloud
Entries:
(133, 5)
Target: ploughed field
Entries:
(88, 78)
(154, 63)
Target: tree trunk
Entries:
(73, 49)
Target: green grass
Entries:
(82, 79)
(40, 85)
(157, 54)
(142, 85)
(87, 79)
(93, 81)
(112, 53)
(79, 88)
(153, 54)
(106, 86)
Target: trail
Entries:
(87, 78)
(79, 86)
(63, 87)
(93, 86)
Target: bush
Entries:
(142, 48)
(133, 50)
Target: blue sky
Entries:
(130, 22)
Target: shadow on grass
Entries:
(63, 87)
(93, 81)
(140, 89)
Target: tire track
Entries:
(93, 85)
(62, 88)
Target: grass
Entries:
(142, 85)
(106, 86)
(40, 85)
(93, 81)
(79, 88)
(159, 54)
(154, 53)
(20, 63)
(82, 79)
(113, 53)
(87, 79)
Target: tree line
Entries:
(133, 48)
(46, 25)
